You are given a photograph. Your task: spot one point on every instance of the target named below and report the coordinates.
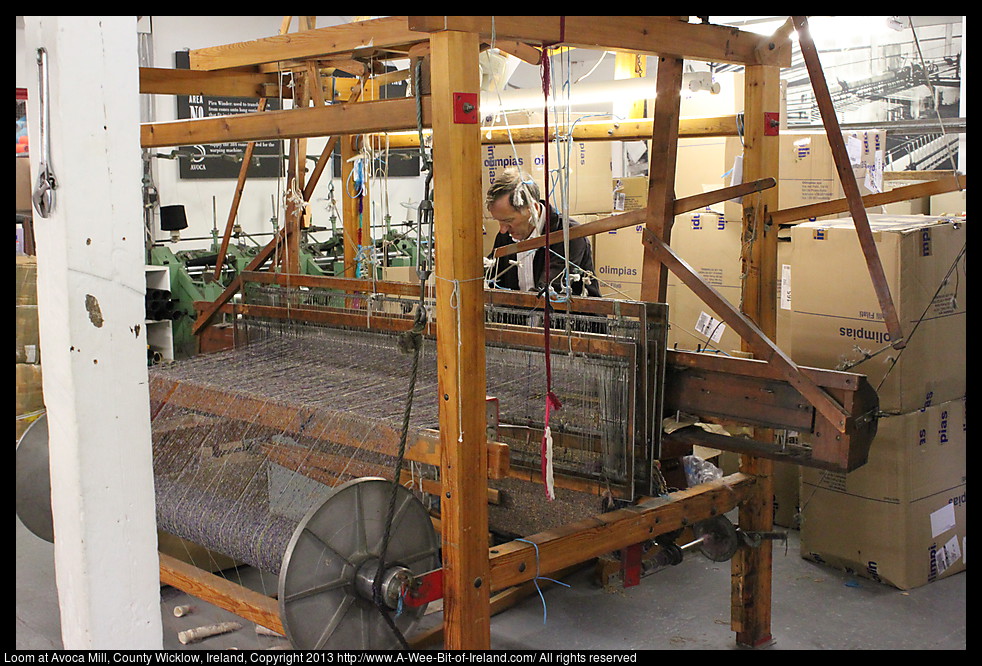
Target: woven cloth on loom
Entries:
(246, 441)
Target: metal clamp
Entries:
(44, 190)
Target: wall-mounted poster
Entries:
(223, 160)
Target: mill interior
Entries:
(348, 433)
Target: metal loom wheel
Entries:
(719, 540)
(33, 493)
(325, 585)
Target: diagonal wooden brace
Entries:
(762, 347)
(848, 180)
(635, 217)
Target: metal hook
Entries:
(44, 190)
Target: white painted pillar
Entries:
(91, 288)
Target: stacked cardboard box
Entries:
(900, 518)
(29, 401)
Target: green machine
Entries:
(192, 271)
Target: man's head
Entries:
(510, 200)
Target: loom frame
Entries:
(449, 46)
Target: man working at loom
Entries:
(515, 204)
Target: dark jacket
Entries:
(505, 275)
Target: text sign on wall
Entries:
(223, 160)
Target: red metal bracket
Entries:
(631, 565)
(427, 588)
(465, 108)
(772, 123)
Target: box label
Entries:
(943, 520)
(710, 327)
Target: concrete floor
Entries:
(680, 608)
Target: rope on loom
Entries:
(552, 401)
(538, 577)
(409, 342)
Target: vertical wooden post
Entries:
(460, 345)
(357, 223)
(630, 66)
(661, 174)
(751, 568)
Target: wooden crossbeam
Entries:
(350, 118)
(848, 180)
(588, 130)
(382, 33)
(652, 35)
(512, 563)
(905, 193)
(632, 218)
(221, 592)
(237, 83)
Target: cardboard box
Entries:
(23, 185)
(949, 203)
(26, 336)
(589, 172)
(807, 172)
(618, 257)
(29, 398)
(835, 312)
(899, 519)
(710, 244)
(26, 277)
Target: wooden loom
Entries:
(835, 407)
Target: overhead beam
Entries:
(351, 118)
(587, 130)
(651, 35)
(162, 81)
(382, 33)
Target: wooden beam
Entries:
(236, 198)
(661, 175)
(221, 592)
(905, 193)
(350, 118)
(632, 218)
(355, 206)
(629, 66)
(515, 562)
(652, 35)
(162, 81)
(588, 130)
(762, 88)
(848, 180)
(387, 32)
(752, 568)
(460, 344)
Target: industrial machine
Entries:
(347, 418)
(284, 452)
